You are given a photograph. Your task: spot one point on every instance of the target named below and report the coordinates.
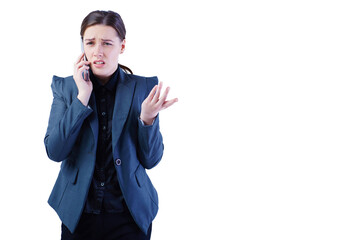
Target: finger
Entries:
(162, 99)
(81, 64)
(80, 57)
(150, 96)
(81, 61)
(79, 71)
(156, 96)
(169, 103)
(84, 67)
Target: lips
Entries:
(99, 63)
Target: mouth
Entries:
(98, 63)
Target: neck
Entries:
(104, 79)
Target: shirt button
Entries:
(118, 162)
(104, 128)
(103, 113)
(103, 100)
(102, 184)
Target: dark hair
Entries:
(108, 18)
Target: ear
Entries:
(123, 46)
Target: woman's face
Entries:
(102, 47)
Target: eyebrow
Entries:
(92, 39)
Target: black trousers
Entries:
(106, 226)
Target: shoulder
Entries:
(139, 78)
(63, 80)
(63, 83)
(64, 86)
(142, 82)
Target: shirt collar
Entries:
(110, 85)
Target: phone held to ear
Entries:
(85, 73)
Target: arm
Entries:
(64, 123)
(151, 145)
(150, 139)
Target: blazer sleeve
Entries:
(65, 122)
(150, 140)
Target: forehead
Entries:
(100, 31)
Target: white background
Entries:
(252, 148)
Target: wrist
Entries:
(147, 121)
(84, 99)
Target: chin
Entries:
(101, 73)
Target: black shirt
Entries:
(104, 194)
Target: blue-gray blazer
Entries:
(71, 138)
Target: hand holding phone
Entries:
(82, 79)
(85, 73)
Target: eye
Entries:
(107, 44)
(89, 43)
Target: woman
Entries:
(105, 131)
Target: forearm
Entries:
(150, 144)
(64, 128)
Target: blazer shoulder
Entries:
(63, 83)
(144, 82)
(57, 81)
(64, 86)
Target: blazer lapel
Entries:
(123, 101)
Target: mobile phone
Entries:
(85, 73)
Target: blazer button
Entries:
(118, 162)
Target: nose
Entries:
(98, 52)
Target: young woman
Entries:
(105, 131)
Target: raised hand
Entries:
(154, 103)
(84, 87)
